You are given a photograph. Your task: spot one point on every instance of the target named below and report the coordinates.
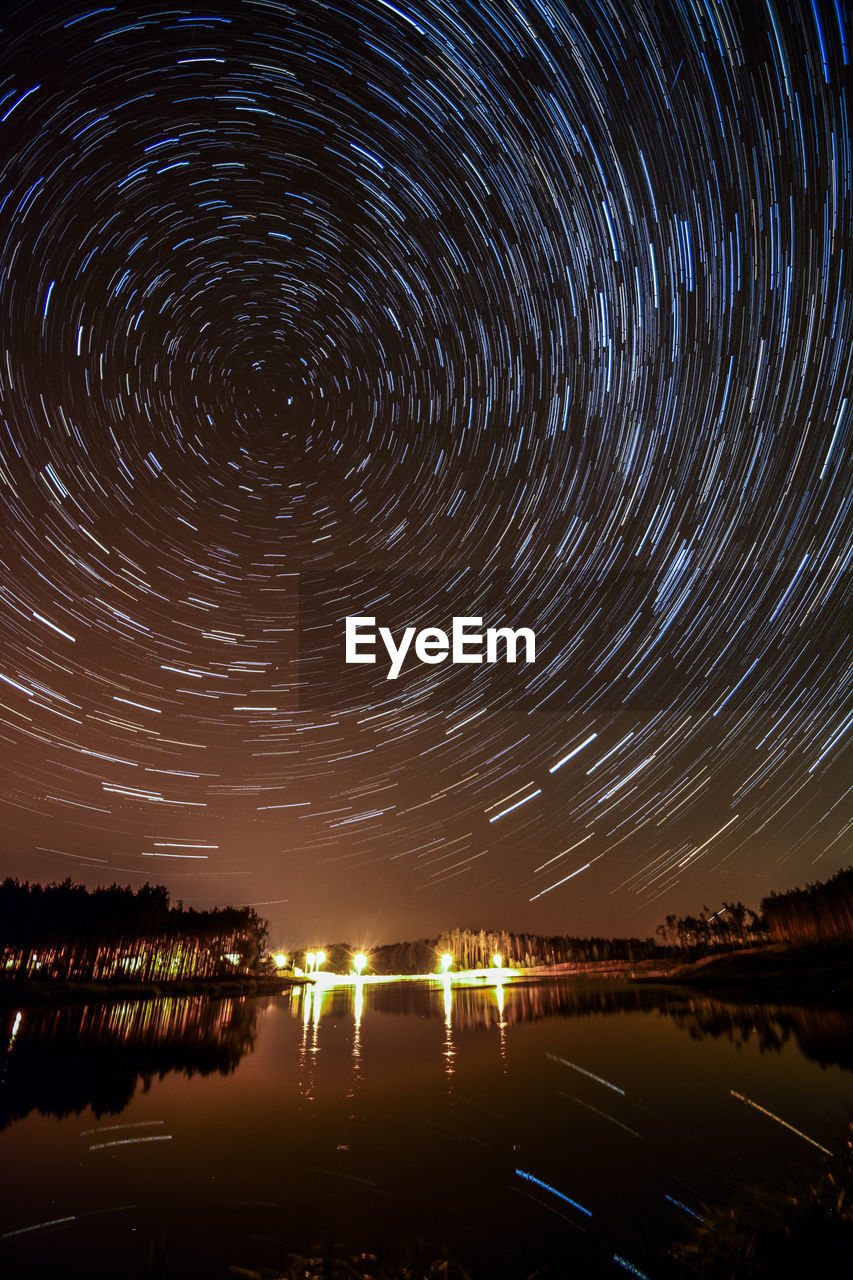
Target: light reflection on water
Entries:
(482, 1005)
(377, 1114)
(449, 1052)
(500, 999)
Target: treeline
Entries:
(474, 950)
(66, 932)
(421, 956)
(734, 925)
(821, 912)
(397, 957)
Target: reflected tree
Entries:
(60, 1061)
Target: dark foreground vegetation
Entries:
(798, 1228)
(803, 1227)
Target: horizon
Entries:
(274, 942)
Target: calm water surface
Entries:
(551, 1127)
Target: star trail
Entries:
(539, 312)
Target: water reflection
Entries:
(500, 1000)
(449, 1052)
(358, 1009)
(311, 1004)
(394, 1124)
(824, 1035)
(515, 1002)
(61, 1061)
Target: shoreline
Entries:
(29, 994)
(822, 974)
(756, 974)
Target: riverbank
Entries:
(22, 995)
(759, 974)
(767, 973)
(822, 974)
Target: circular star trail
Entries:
(535, 312)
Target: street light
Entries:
(498, 961)
(446, 962)
(320, 958)
(279, 959)
(359, 963)
(310, 960)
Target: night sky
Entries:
(541, 312)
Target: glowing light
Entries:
(320, 958)
(446, 962)
(449, 1051)
(498, 961)
(359, 962)
(279, 959)
(15, 1025)
(328, 980)
(459, 977)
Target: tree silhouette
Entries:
(822, 912)
(67, 932)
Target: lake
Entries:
(555, 1128)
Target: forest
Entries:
(66, 932)
(821, 912)
(733, 925)
(475, 949)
